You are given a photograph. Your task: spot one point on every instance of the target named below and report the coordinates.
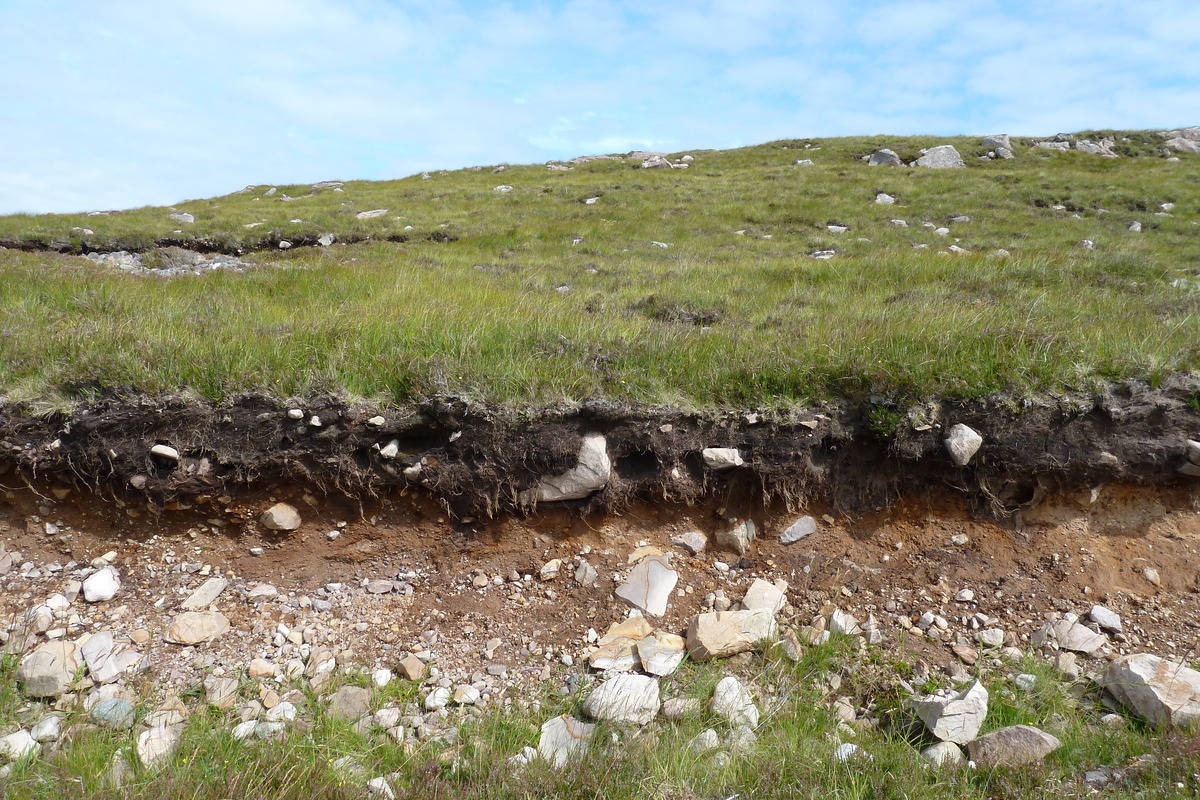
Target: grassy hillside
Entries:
(535, 296)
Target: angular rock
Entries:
(843, 624)
(206, 595)
(413, 668)
(953, 716)
(944, 156)
(1014, 746)
(885, 199)
(996, 141)
(220, 692)
(626, 698)
(1106, 618)
(719, 634)
(1193, 451)
(465, 695)
(962, 443)
(590, 474)
(49, 670)
(372, 214)
(1160, 692)
(738, 537)
(649, 586)
(662, 653)
(703, 742)
(733, 702)
(106, 660)
(349, 703)
(280, 517)
(765, 595)
(721, 458)
(101, 585)
(884, 158)
(563, 740)
(1071, 636)
(692, 541)
(805, 526)
(197, 627)
(182, 216)
(438, 698)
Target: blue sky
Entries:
(122, 103)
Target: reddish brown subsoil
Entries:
(1067, 553)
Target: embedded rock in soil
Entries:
(738, 537)
(884, 158)
(156, 745)
(996, 141)
(280, 517)
(802, 527)
(944, 156)
(954, 716)
(726, 633)
(563, 740)
(721, 458)
(1014, 746)
(206, 595)
(944, 754)
(197, 627)
(962, 443)
(16, 746)
(106, 659)
(1106, 618)
(627, 698)
(1160, 692)
(349, 703)
(1070, 635)
(590, 474)
(116, 713)
(692, 541)
(649, 586)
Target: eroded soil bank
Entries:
(481, 463)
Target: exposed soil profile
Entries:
(481, 463)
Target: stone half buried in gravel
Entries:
(106, 658)
(563, 740)
(1106, 618)
(197, 627)
(1160, 692)
(1014, 746)
(590, 474)
(718, 634)
(626, 698)
(206, 595)
(662, 653)
(280, 517)
(649, 586)
(693, 541)
(805, 526)
(101, 585)
(953, 716)
(962, 443)
(764, 595)
(1070, 636)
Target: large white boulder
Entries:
(944, 156)
(1158, 691)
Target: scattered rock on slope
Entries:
(944, 156)
(1158, 691)
(1014, 746)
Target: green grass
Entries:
(792, 759)
(489, 299)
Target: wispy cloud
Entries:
(125, 103)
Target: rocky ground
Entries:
(113, 607)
